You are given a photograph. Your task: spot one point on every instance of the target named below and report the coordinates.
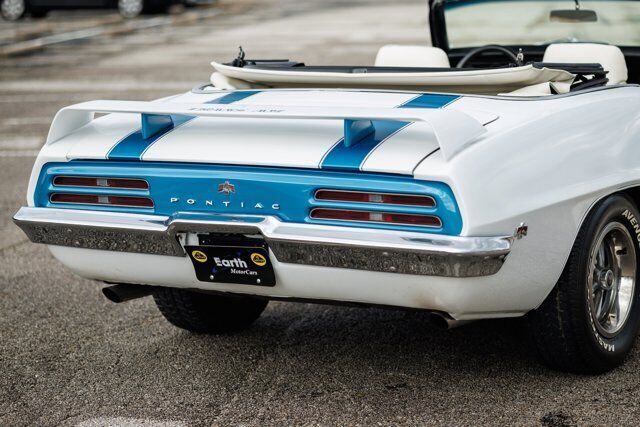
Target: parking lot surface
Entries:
(70, 357)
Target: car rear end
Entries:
(284, 201)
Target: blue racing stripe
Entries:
(133, 146)
(430, 100)
(234, 97)
(341, 157)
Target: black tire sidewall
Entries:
(613, 209)
(208, 313)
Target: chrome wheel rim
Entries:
(130, 8)
(611, 279)
(12, 9)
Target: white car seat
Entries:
(610, 57)
(394, 55)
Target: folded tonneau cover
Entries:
(481, 81)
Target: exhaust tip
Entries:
(111, 295)
(444, 321)
(126, 292)
(438, 321)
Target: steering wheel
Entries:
(490, 47)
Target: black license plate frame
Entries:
(242, 265)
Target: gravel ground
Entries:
(69, 357)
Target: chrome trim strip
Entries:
(309, 244)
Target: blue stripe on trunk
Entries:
(341, 157)
(133, 146)
(234, 97)
(430, 100)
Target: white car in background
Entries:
(505, 186)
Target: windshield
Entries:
(522, 22)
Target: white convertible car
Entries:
(505, 185)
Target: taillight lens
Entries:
(80, 181)
(377, 217)
(94, 199)
(383, 198)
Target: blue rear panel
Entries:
(178, 188)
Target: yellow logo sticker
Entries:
(199, 256)
(258, 259)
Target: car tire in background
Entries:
(12, 10)
(130, 8)
(207, 313)
(590, 321)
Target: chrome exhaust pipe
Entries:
(126, 292)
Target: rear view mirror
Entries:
(573, 15)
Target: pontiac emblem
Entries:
(226, 188)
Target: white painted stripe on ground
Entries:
(34, 29)
(40, 86)
(21, 142)
(18, 153)
(64, 98)
(22, 121)
(129, 422)
(26, 46)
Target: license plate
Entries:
(232, 264)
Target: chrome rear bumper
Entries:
(310, 244)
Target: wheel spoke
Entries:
(598, 304)
(615, 312)
(600, 260)
(613, 299)
(597, 286)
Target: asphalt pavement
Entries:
(70, 357)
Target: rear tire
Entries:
(589, 322)
(206, 313)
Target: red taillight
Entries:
(384, 198)
(80, 181)
(378, 217)
(93, 199)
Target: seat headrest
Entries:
(610, 57)
(411, 56)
